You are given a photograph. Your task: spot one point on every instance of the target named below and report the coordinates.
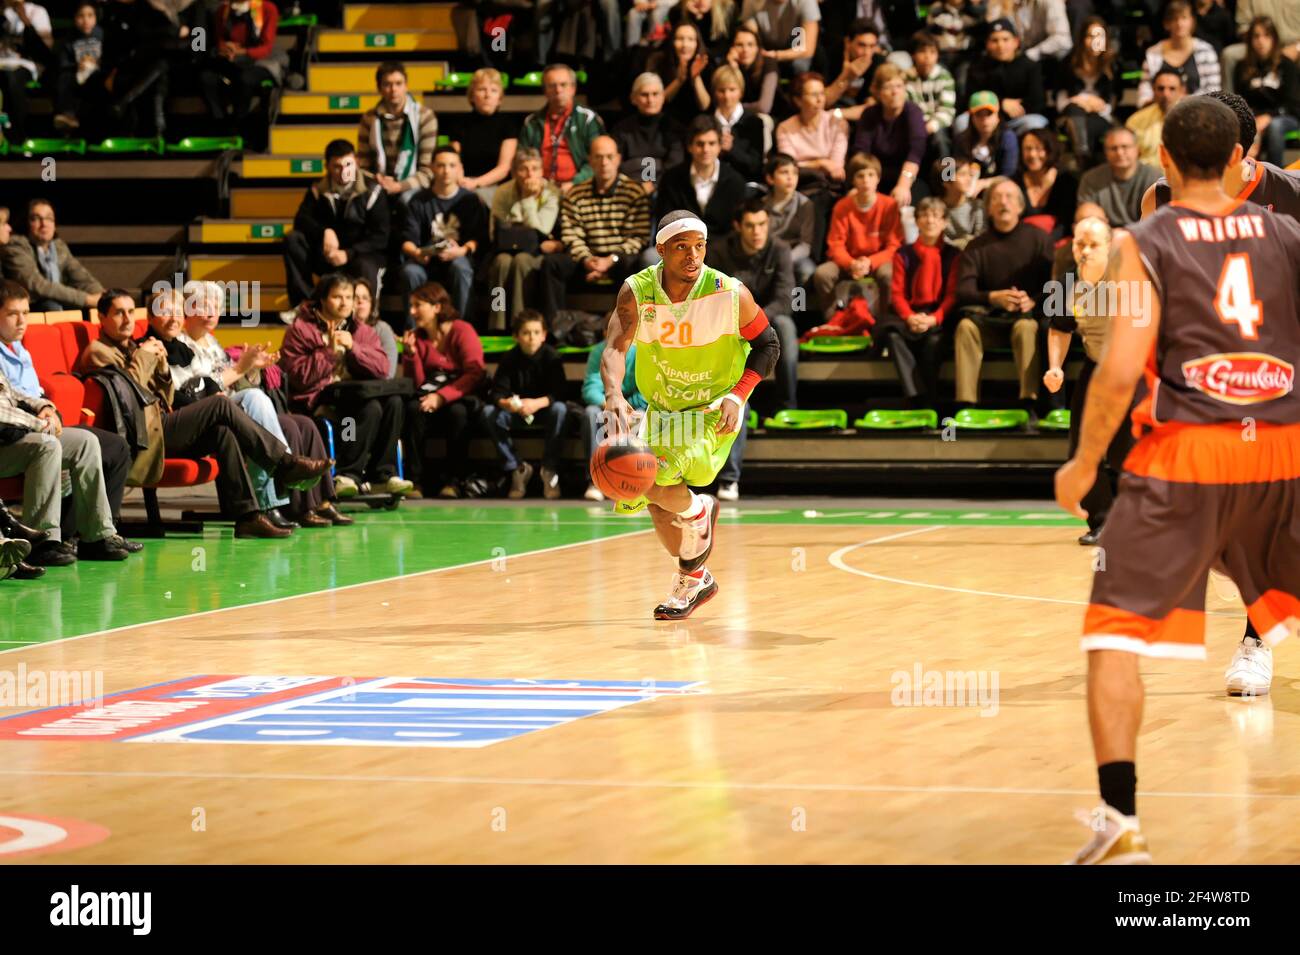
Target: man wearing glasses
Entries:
(44, 265)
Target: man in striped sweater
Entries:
(397, 135)
(604, 224)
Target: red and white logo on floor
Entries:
(336, 710)
(23, 835)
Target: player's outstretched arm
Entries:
(619, 335)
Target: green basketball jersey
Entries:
(689, 353)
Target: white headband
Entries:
(679, 226)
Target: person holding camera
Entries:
(524, 212)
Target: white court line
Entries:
(711, 785)
(837, 561)
(327, 590)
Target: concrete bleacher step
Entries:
(135, 273)
(121, 235)
(398, 16)
(308, 140)
(405, 39)
(268, 270)
(239, 230)
(263, 166)
(265, 203)
(350, 77)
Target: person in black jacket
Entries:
(1016, 79)
(77, 75)
(443, 231)
(528, 388)
(649, 140)
(742, 130)
(764, 265)
(705, 174)
(341, 226)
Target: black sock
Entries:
(1119, 787)
(1250, 631)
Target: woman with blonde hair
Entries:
(742, 130)
(485, 138)
(893, 130)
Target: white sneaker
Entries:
(697, 536)
(688, 593)
(1117, 839)
(550, 485)
(519, 479)
(729, 492)
(345, 487)
(593, 493)
(1251, 671)
(397, 485)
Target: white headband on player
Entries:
(679, 226)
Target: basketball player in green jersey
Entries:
(702, 346)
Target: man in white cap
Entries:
(702, 346)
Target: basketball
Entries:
(623, 470)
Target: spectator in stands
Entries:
(248, 375)
(815, 138)
(931, 87)
(342, 224)
(561, 130)
(18, 368)
(644, 19)
(893, 130)
(1118, 185)
(142, 41)
(682, 64)
(1000, 282)
(963, 207)
(787, 29)
(1089, 89)
(649, 140)
(1042, 25)
(1148, 123)
(524, 214)
(593, 399)
(443, 228)
(953, 23)
(604, 225)
(1014, 78)
(365, 313)
(866, 230)
(1285, 14)
(325, 346)
(397, 136)
(1195, 59)
(862, 57)
(763, 264)
(77, 72)
(741, 130)
(209, 426)
(922, 294)
(1214, 24)
(987, 140)
(1050, 191)
(761, 74)
(705, 186)
(715, 19)
(442, 354)
(25, 40)
(528, 388)
(1270, 84)
(246, 58)
(487, 139)
(790, 214)
(42, 263)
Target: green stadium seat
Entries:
(455, 81)
(191, 145)
(1132, 76)
(572, 349)
(836, 344)
(49, 147)
(752, 419)
(443, 140)
(991, 419)
(533, 80)
(808, 419)
(302, 20)
(901, 420)
(127, 146)
(1058, 419)
(497, 344)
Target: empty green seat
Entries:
(50, 147)
(1058, 419)
(752, 419)
(128, 145)
(991, 419)
(455, 81)
(800, 419)
(497, 344)
(302, 20)
(443, 140)
(205, 144)
(901, 420)
(836, 344)
(531, 80)
(572, 349)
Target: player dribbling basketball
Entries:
(702, 346)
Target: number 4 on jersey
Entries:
(1235, 300)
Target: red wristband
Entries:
(745, 386)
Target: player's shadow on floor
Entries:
(669, 636)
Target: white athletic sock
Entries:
(694, 507)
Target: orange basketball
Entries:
(623, 470)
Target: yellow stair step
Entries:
(282, 167)
(211, 231)
(264, 269)
(319, 104)
(404, 40)
(350, 77)
(309, 140)
(266, 333)
(265, 203)
(398, 16)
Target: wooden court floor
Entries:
(793, 747)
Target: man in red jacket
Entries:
(866, 230)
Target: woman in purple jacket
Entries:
(893, 130)
(323, 346)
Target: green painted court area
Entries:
(189, 574)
